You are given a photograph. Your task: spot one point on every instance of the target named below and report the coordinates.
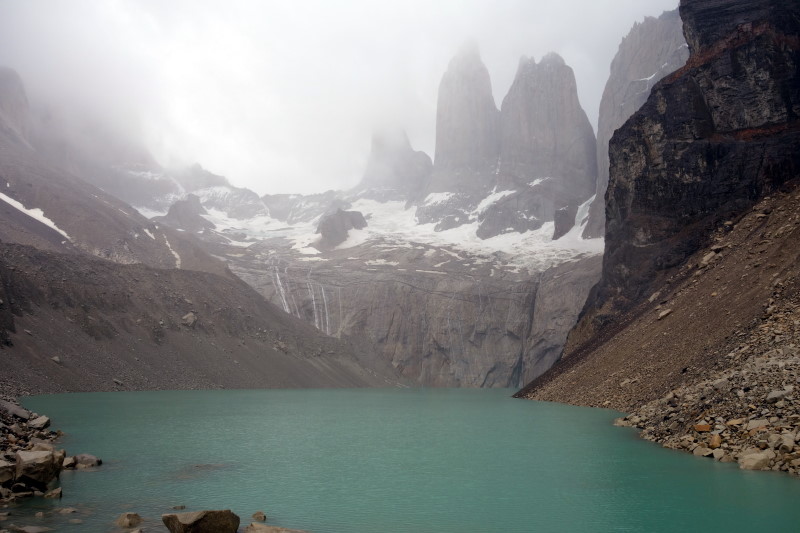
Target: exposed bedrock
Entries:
(652, 49)
(712, 139)
(441, 328)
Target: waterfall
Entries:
(327, 319)
(313, 304)
(291, 295)
(281, 292)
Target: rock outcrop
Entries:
(437, 326)
(693, 326)
(334, 228)
(202, 522)
(653, 49)
(186, 214)
(394, 170)
(14, 109)
(712, 139)
(467, 126)
(544, 130)
(547, 149)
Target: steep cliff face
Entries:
(14, 109)
(544, 130)
(547, 153)
(653, 48)
(395, 171)
(713, 138)
(467, 126)
(459, 325)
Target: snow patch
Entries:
(174, 253)
(149, 233)
(489, 200)
(35, 213)
(435, 198)
(381, 262)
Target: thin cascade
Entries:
(313, 304)
(325, 307)
(281, 292)
(291, 294)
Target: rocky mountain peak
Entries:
(394, 170)
(544, 130)
(466, 117)
(14, 108)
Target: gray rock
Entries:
(128, 520)
(87, 460)
(41, 422)
(702, 451)
(776, 395)
(189, 319)
(37, 468)
(757, 423)
(56, 493)
(755, 459)
(202, 522)
(6, 471)
(14, 410)
(334, 228)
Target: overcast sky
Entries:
(281, 96)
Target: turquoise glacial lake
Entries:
(393, 460)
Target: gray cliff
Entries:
(651, 50)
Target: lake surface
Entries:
(395, 460)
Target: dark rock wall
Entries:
(653, 48)
(712, 139)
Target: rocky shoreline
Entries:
(30, 465)
(30, 461)
(748, 413)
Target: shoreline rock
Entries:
(748, 413)
(30, 463)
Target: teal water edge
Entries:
(393, 460)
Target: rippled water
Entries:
(389, 460)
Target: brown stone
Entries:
(128, 520)
(702, 428)
(715, 442)
(202, 522)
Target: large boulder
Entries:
(335, 228)
(755, 459)
(202, 522)
(36, 468)
(14, 410)
(6, 472)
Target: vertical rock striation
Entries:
(712, 139)
(653, 48)
(544, 130)
(467, 126)
(547, 152)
